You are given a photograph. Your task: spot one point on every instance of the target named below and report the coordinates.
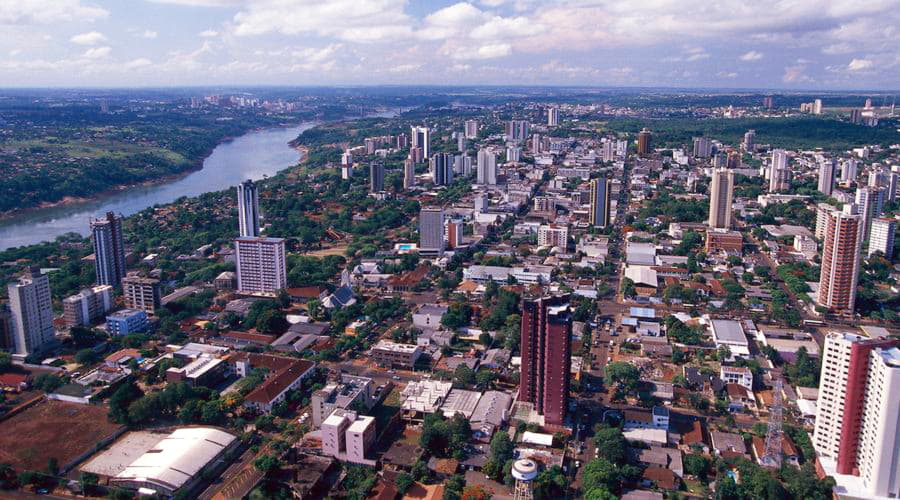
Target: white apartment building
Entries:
(879, 443)
(553, 235)
(261, 264)
(348, 436)
(32, 312)
(881, 236)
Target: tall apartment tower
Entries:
(877, 457)
(421, 138)
(546, 356)
(881, 236)
(409, 173)
(749, 144)
(849, 170)
(32, 312)
(88, 305)
(376, 177)
(609, 151)
(261, 264)
(599, 216)
(817, 107)
(487, 168)
(768, 102)
(141, 293)
(517, 130)
(822, 211)
(842, 409)
(826, 176)
(702, 147)
(643, 142)
(870, 203)
(109, 249)
(513, 154)
(840, 261)
(779, 173)
(720, 198)
(248, 206)
(552, 117)
(471, 129)
(442, 169)
(431, 231)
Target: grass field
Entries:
(93, 149)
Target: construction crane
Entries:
(772, 456)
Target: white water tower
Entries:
(524, 471)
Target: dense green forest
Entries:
(791, 132)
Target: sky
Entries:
(766, 44)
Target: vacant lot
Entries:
(53, 429)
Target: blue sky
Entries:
(784, 44)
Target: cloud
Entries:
(838, 48)
(141, 62)
(795, 74)
(48, 11)
(89, 38)
(208, 34)
(859, 64)
(752, 56)
(97, 52)
(149, 34)
(727, 74)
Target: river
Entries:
(250, 156)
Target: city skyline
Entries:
(801, 45)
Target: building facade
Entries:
(248, 206)
(840, 261)
(109, 249)
(141, 293)
(546, 333)
(720, 198)
(261, 264)
(88, 305)
(881, 237)
(431, 231)
(32, 312)
(600, 210)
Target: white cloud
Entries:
(838, 48)
(859, 64)
(97, 52)
(149, 34)
(727, 74)
(795, 74)
(141, 62)
(752, 56)
(208, 34)
(89, 38)
(48, 11)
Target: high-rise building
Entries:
(402, 141)
(849, 170)
(609, 151)
(537, 144)
(462, 164)
(141, 293)
(348, 436)
(546, 333)
(487, 168)
(376, 177)
(720, 198)
(454, 233)
(409, 173)
(599, 216)
(32, 312)
(553, 235)
(749, 144)
(109, 249)
(552, 117)
(870, 204)
(7, 341)
(779, 172)
(461, 142)
(840, 261)
(881, 236)
(826, 176)
(421, 138)
(416, 154)
(878, 460)
(702, 147)
(513, 154)
(768, 102)
(471, 129)
(442, 169)
(517, 130)
(643, 142)
(248, 207)
(481, 203)
(261, 264)
(346, 159)
(431, 231)
(88, 305)
(817, 107)
(841, 407)
(822, 211)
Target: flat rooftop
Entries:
(122, 453)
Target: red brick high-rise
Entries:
(546, 356)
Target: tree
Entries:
(463, 376)
(485, 339)
(404, 481)
(696, 465)
(476, 492)
(550, 484)
(453, 487)
(484, 379)
(628, 287)
(5, 361)
(625, 374)
(599, 494)
(611, 444)
(118, 403)
(87, 357)
(600, 473)
(266, 463)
